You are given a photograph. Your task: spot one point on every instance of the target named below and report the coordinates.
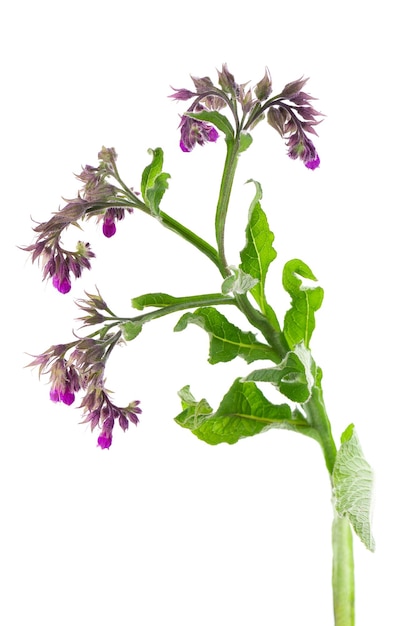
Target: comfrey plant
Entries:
(78, 367)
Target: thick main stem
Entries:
(342, 572)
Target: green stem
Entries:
(343, 572)
(342, 542)
(134, 202)
(275, 338)
(318, 418)
(231, 162)
(210, 299)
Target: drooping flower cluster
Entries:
(96, 198)
(289, 112)
(80, 365)
(195, 131)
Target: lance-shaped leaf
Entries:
(294, 376)
(299, 321)
(165, 300)
(352, 479)
(227, 341)
(259, 253)
(217, 119)
(154, 181)
(243, 412)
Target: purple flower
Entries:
(109, 219)
(195, 131)
(104, 440)
(62, 283)
(301, 147)
(65, 382)
(109, 227)
(313, 163)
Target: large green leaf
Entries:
(154, 181)
(294, 376)
(227, 341)
(299, 321)
(258, 253)
(243, 412)
(352, 479)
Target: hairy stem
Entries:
(231, 162)
(343, 572)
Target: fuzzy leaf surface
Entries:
(238, 282)
(294, 376)
(299, 321)
(258, 253)
(243, 412)
(227, 341)
(352, 479)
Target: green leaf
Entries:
(221, 122)
(299, 321)
(154, 181)
(227, 341)
(258, 253)
(156, 300)
(131, 330)
(245, 142)
(243, 412)
(294, 376)
(238, 282)
(194, 412)
(352, 479)
(162, 300)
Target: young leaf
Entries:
(221, 122)
(352, 479)
(154, 181)
(299, 321)
(245, 142)
(259, 253)
(194, 412)
(238, 282)
(131, 330)
(243, 412)
(294, 376)
(227, 341)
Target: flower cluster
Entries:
(96, 198)
(289, 112)
(80, 365)
(292, 115)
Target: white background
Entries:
(162, 529)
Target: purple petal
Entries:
(104, 440)
(313, 163)
(213, 134)
(109, 227)
(67, 396)
(54, 395)
(62, 284)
